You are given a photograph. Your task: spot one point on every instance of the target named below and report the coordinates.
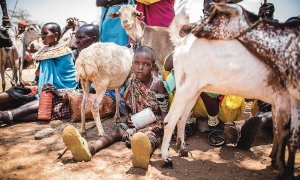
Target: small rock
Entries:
(44, 133)
(55, 123)
(38, 128)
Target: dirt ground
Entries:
(22, 157)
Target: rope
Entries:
(12, 15)
(248, 29)
(8, 76)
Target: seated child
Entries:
(142, 91)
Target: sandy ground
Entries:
(28, 75)
(22, 157)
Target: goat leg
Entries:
(86, 88)
(187, 29)
(294, 127)
(3, 79)
(100, 92)
(183, 152)
(281, 114)
(177, 112)
(117, 113)
(198, 30)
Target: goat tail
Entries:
(85, 67)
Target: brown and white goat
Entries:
(107, 66)
(13, 57)
(275, 44)
(157, 38)
(225, 67)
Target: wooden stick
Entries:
(61, 153)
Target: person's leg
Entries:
(143, 146)
(28, 118)
(106, 140)
(81, 150)
(26, 109)
(211, 104)
(5, 98)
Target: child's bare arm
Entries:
(162, 96)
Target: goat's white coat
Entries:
(153, 36)
(107, 65)
(223, 67)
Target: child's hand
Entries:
(129, 121)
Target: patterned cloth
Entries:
(138, 96)
(61, 109)
(56, 67)
(154, 133)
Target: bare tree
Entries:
(19, 14)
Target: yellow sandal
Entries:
(76, 144)
(141, 149)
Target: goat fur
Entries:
(107, 66)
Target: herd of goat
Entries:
(232, 52)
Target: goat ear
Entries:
(114, 15)
(230, 9)
(139, 14)
(143, 24)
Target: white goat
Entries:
(107, 66)
(226, 67)
(157, 38)
(276, 44)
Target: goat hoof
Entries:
(183, 152)
(168, 164)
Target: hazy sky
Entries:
(58, 11)
(44, 11)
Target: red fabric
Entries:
(23, 22)
(45, 106)
(106, 107)
(157, 14)
(221, 98)
(138, 96)
(37, 72)
(28, 57)
(34, 90)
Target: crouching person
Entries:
(146, 99)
